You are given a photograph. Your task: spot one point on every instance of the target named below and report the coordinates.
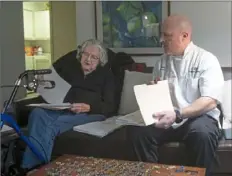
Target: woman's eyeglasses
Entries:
(92, 58)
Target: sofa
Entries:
(115, 145)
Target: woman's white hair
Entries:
(93, 42)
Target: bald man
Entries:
(195, 81)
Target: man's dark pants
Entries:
(200, 135)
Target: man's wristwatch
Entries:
(178, 116)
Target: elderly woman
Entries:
(91, 96)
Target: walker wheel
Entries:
(14, 171)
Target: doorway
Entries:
(49, 32)
(37, 35)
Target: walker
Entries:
(30, 85)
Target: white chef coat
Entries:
(195, 74)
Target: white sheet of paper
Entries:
(134, 118)
(52, 106)
(152, 99)
(58, 93)
(103, 128)
(99, 129)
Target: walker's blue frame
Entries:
(9, 120)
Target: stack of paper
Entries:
(99, 129)
(152, 99)
(60, 106)
(103, 128)
(134, 118)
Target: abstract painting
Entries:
(131, 26)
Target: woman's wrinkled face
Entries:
(90, 58)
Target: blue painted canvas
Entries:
(131, 24)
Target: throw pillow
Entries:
(128, 103)
(226, 101)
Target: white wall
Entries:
(12, 59)
(63, 28)
(85, 20)
(85, 30)
(211, 26)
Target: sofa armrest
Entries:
(22, 111)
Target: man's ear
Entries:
(185, 35)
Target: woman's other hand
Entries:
(80, 107)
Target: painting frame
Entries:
(143, 51)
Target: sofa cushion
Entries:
(118, 63)
(128, 103)
(226, 101)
